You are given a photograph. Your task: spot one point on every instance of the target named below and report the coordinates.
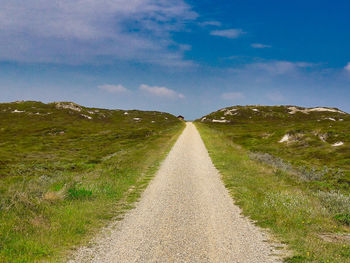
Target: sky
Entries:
(180, 56)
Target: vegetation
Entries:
(299, 187)
(294, 138)
(66, 169)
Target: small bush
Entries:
(312, 174)
(271, 160)
(288, 202)
(303, 172)
(336, 202)
(343, 218)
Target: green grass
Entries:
(64, 175)
(296, 211)
(312, 158)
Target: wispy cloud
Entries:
(100, 31)
(258, 45)
(210, 23)
(347, 67)
(161, 91)
(277, 67)
(113, 88)
(228, 33)
(232, 96)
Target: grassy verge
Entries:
(64, 176)
(276, 200)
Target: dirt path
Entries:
(185, 215)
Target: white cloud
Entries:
(305, 64)
(161, 91)
(113, 88)
(347, 67)
(278, 67)
(210, 23)
(228, 33)
(258, 45)
(98, 31)
(275, 67)
(232, 96)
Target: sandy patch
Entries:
(86, 116)
(294, 110)
(68, 105)
(229, 112)
(285, 138)
(220, 121)
(337, 144)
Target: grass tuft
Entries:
(75, 193)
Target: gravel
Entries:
(185, 215)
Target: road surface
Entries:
(185, 215)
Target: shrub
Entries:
(336, 202)
(271, 160)
(343, 218)
(303, 172)
(311, 174)
(79, 193)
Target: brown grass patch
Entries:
(335, 238)
(53, 196)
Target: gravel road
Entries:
(185, 215)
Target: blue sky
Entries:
(183, 57)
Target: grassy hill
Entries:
(65, 169)
(316, 140)
(288, 168)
